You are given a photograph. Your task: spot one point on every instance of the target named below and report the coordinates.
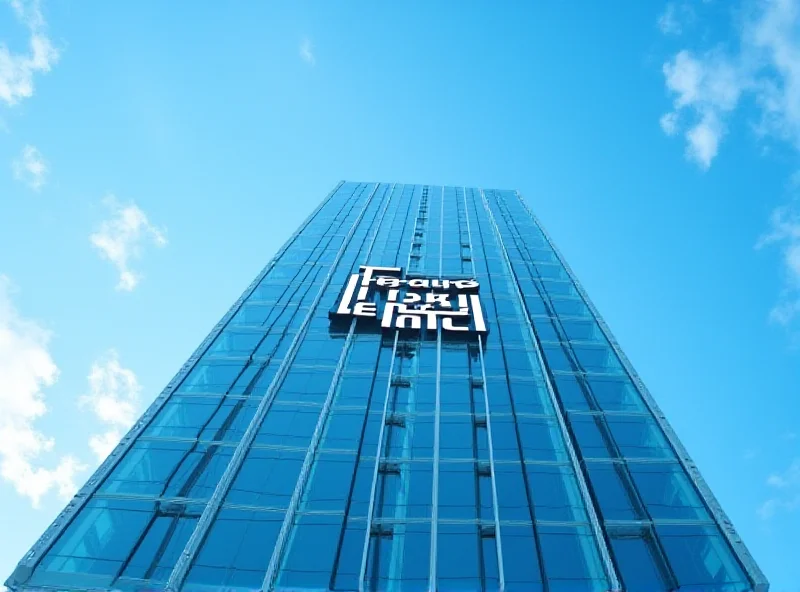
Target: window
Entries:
(667, 492)
(555, 493)
(267, 478)
(237, 550)
(638, 563)
(699, 556)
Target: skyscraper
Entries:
(414, 395)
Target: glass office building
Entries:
(414, 395)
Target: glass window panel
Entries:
(512, 497)
(412, 441)
(557, 359)
(206, 418)
(95, 545)
(521, 362)
(168, 468)
(236, 343)
(638, 564)
(305, 385)
(597, 358)
(402, 561)
(329, 483)
(237, 550)
(457, 436)
(405, 493)
(639, 437)
(571, 392)
(570, 307)
(459, 558)
(615, 393)
(348, 567)
(699, 556)
(455, 395)
(591, 436)
(288, 426)
(343, 429)
(582, 330)
(162, 544)
(354, 389)
(667, 492)
(555, 493)
(571, 560)
(614, 497)
(311, 552)
(458, 491)
(541, 439)
(520, 559)
(212, 376)
(267, 478)
(530, 397)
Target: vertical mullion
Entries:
(203, 525)
(291, 511)
(495, 509)
(611, 572)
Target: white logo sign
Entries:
(409, 302)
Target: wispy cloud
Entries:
(786, 492)
(17, 70)
(674, 17)
(785, 232)
(26, 368)
(307, 51)
(113, 398)
(120, 239)
(31, 168)
(707, 86)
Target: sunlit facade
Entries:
(414, 395)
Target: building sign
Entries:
(412, 303)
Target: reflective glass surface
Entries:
(298, 452)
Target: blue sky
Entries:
(153, 158)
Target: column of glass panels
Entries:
(318, 517)
(661, 533)
(396, 544)
(547, 539)
(250, 517)
(132, 530)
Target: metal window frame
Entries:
(757, 577)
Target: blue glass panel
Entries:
(95, 546)
(541, 439)
(329, 483)
(267, 478)
(571, 560)
(457, 491)
(700, 559)
(667, 492)
(615, 393)
(638, 564)
(590, 435)
(459, 558)
(288, 426)
(555, 493)
(401, 561)
(311, 553)
(204, 418)
(212, 376)
(520, 559)
(613, 495)
(639, 437)
(406, 491)
(237, 550)
(512, 498)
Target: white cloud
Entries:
(17, 70)
(31, 168)
(787, 492)
(709, 85)
(785, 231)
(307, 51)
(671, 21)
(26, 368)
(113, 398)
(120, 239)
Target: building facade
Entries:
(414, 395)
